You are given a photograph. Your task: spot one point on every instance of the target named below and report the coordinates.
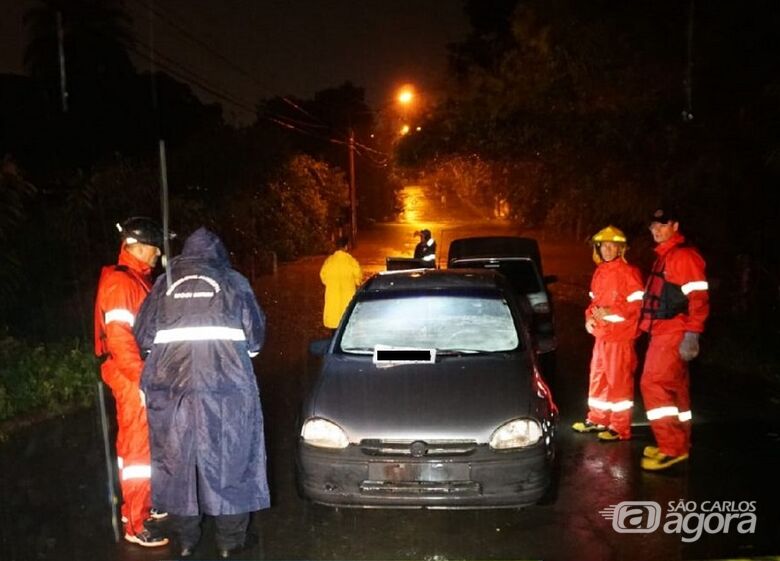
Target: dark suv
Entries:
(519, 260)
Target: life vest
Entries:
(663, 299)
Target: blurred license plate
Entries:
(433, 471)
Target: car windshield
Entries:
(441, 322)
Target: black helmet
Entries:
(141, 229)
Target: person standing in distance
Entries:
(341, 275)
(426, 248)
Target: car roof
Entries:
(433, 279)
(495, 247)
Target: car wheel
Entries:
(550, 495)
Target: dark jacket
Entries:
(205, 419)
(426, 251)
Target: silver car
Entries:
(429, 396)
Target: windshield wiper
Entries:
(361, 350)
(448, 352)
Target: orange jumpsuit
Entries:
(617, 286)
(121, 291)
(676, 300)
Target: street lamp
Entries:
(404, 97)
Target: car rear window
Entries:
(441, 322)
(521, 273)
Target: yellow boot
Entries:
(662, 461)
(650, 451)
(610, 435)
(587, 426)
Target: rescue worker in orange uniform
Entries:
(612, 316)
(674, 310)
(341, 275)
(121, 290)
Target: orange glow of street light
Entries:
(406, 95)
(404, 129)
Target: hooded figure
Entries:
(341, 275)
(205, 419)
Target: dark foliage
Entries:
(577, 108)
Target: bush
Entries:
(50, 378)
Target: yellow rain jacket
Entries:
(341, 276)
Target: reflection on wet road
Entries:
(413, 203)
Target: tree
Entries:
(296, 213)
(15, 195)
(96, 35)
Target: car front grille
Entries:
(417, 488)
(417, 448)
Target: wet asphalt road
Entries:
(52, 477)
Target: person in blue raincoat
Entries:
(202, 398)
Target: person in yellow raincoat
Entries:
(341, 276)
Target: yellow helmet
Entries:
(608, 234)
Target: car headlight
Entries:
(323, 434)
(516, 434)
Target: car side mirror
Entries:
(319, 347)
(549, 279)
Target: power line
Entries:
(319, 123)
(379, 163)
(197, 40)
(301, 123)
(155, 53)
(175, 68)
(286, 125)
(302, 110)
(374, 150)
(196, 83)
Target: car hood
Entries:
(457, 398)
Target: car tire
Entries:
(550, 495)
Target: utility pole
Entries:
(687, 113)
(61, 49)
(352, 196)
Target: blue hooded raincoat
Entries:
(203, 405)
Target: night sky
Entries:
(281, 47)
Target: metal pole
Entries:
(352, 196)
(688, 111)
(165, 213)
(61, 48)
(113, 500)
